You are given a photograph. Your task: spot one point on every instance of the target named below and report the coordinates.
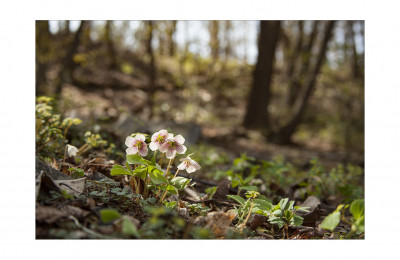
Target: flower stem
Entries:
(165, 193)
(165, 174)
(248, 215)
(145, 183)
(169, 164)
(176, 173)
(136, 187)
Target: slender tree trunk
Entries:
(256, 114)
(296, 83)
(245, 39)
(227, 45)
(171, 29)
(152, 68)
(283, 136)
(214, 40)
(293, 79)
(351, 42)
(68, 62)
(110, 45)
(43, 42)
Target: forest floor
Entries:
(97, 204)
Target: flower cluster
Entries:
(164, 142)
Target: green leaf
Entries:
(297, 220)
(170, 204)
(180, 182)
(172, 189)
(153, 159)
(155, 168)
(129, 228)
(119, 170)
(283, 203)
(331, 221)
(251, 188)
(276, 220)
(140, 172)
(235, 183)
(136, 159)
(288, 215)
(238, 199)
(109, 215)
(128, 167)
(157, 178)
(291, 205)
(304, 209)
(357, 209)
(248, 179)
(263, 205)
(358, 225)
(277, 212)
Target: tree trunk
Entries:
(152, 70)
(296, 83)
(214, 40)
(65, 74)
(43, 43)
(283, 136)
(351, 42)
(256, 114)
(110, 45)
(171, 29)
(228, 46)
(293, 79)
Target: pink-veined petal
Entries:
(130, 141)
(163, 132)
(164, 147)
(143, 150)
(182, 166)
(170, 136)
(170, 153)
(190, 168)
(195, 164)
(140, 137)
(179, 139)
(154, 136)
(132, 150)
(181, 149)
(154, 146)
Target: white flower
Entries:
(136, 145)
(159, 138)
(173, 146)
(189, 164)
(72, 150)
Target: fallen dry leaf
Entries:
(218, 221)
(75, 186)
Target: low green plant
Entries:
(76, 172)
(357, 220)
(197, 209)
(283, 214)
(211, 191)
(339, 181)
(162, 223)
(51, 129)
(155, 178)
(251, 205)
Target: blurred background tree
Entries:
(296, 83)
